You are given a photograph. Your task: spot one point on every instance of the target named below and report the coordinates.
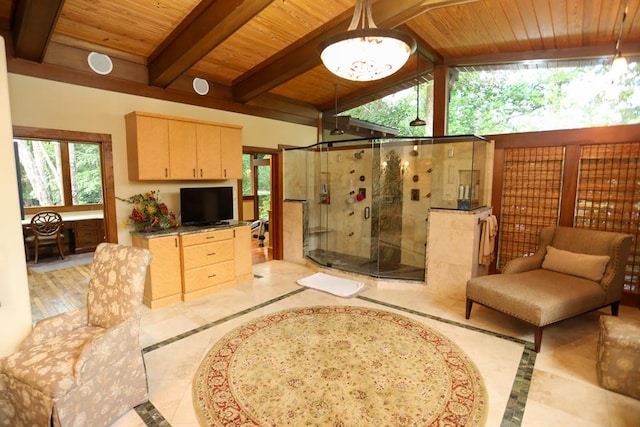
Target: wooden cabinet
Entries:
(87, 234)
(170, 148)
(194, 264)
(207, 262)
(164, 275)
(147, 147)
(242, 253)
(230, 150)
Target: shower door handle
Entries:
(367, 212)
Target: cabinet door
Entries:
(208, 151)
(164, 275)
(231, 152)
(242, 253)
(148, 147)
(182, 149)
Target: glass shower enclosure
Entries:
(368, 200)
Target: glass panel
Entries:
(86, 176)
(247, 189)
(40, 173)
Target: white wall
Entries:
(15, 309)
(41, 103)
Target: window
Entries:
(59, 174)
(524, 98)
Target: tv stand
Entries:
(195, 261)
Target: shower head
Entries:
(359, 154)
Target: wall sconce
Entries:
(414, 152)
(405, 166)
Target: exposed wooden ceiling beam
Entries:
(206, 27)
(33, 25)
(303, 56)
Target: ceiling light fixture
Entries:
(417, 121)
(619, 63)
(366, 53)
(336, 130)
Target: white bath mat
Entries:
(334, 285)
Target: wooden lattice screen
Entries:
(608, 197)
(532, 188)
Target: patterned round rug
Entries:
(337, 366)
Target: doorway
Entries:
(259, 175)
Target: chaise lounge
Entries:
(573, 271)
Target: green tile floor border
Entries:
(513, 413)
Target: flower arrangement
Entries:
(149, 213)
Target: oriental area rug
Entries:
(337, 366)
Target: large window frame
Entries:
(106, 159)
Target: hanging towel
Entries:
(488, 234)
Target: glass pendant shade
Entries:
(619, 65)
(366, 53)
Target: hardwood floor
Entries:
(60, 291)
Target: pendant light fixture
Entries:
(366, 53)
(619, 63)
(417, 121)
(336, 130)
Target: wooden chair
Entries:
(46, 229)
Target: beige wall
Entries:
(46, 104)
(15, 309)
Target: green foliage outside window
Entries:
(526, 100)
(42, 177)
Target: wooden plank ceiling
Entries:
(260, 57)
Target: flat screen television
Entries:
(206, 205)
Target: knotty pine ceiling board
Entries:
(279, 25)
(132, 26)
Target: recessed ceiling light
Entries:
(100, 63)
(201, 86)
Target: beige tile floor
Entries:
(563, 390)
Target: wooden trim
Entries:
(66, 173)
(277, 184)
(440, 99)
(106, 155)
(569, 185)
(587, 52)
(585, 136)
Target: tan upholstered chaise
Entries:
(574, 271)
(85, 367)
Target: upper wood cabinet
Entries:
(171, 148)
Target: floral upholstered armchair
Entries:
(83, 367)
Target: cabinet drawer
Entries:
(207, 237)
(207, 254)
(211, 275)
